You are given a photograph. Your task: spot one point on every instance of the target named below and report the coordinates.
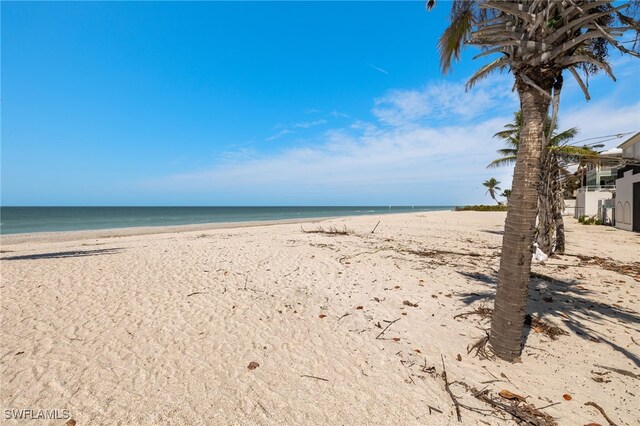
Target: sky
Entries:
(267, 103)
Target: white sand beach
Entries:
(161, 328)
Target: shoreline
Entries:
(64, 236)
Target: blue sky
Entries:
(292, 103)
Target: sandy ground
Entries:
(161, 328)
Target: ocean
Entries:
(18, 220)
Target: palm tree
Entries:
(536, 41)
(556, 156)
(506, 194)
(492, 185)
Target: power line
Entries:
(608, 137)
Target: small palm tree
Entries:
(555, 158)
(492, 187)
(506, 194)
(537, 41)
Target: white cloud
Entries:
(428, 146)
(442, 101)
(309, 124)
(280, 134)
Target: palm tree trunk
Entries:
(545, 206)
(558, 209)
(507, 323)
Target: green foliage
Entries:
(482, 208)
(589, 220)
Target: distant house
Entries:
(627, 198)
(598, 186)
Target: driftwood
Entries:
(599, 408)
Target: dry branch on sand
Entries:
(483, 311)
(332, 230)
(540, 326)
(521, 411)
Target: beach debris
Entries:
(396, 339)
(322, 316)
(538, 254)
(540, 326)
(359, 307)
(523, 412)
(599, 408)
(481, 348)
(631, 269)
(599, 377)
(482, 311)
(70, 422)
(567, 397)
(332, 230)
(253, 365)
(456, 404)
(346, 314)
(196, 292)
(459, 357)
(390, 323)
(314, 377)
(375, 227)
(620, 371)
(433, 409)
(407, 303)
(506, 394)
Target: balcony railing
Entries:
(593, 188)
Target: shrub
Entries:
(589, 220)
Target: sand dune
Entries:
(161, 328)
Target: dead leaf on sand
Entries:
(459, 357)
(567, 397)
(407, 303)
(359, 307)
(510, 395)
(70, 422)
(322, 316)
(253, 365)
(396, 339)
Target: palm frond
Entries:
(564, 136)
(498, 64)
(506, 161)
(454, 37)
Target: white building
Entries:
(591, 199)
(627, 197)
(598, 186)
